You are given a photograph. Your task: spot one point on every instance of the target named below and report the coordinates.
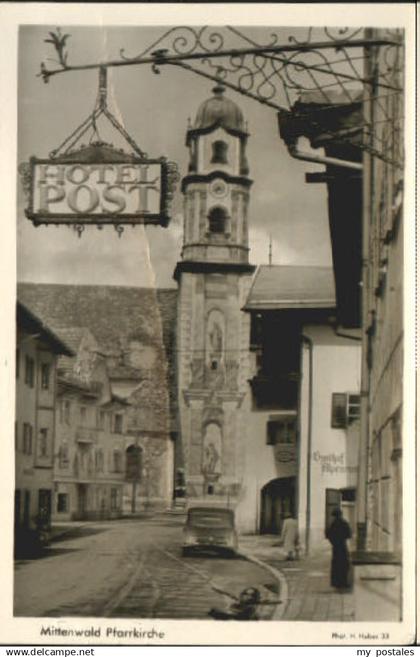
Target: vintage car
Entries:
(210, 529)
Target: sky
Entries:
(154, 110)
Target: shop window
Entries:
(99, 460)
(62, 503)
(219, 152)
(217, 220)
(43, 442)
(26, 508)
(17, 362)
(17, 507)
(45, 376)
(100, 420)
(16, 436)
(117, 457)
(83, 414)
(27, 438)
(66, 411)
(114, 499)
(348, 495)
(29, 371)
(345, 409)
(281, 431)
(118, 423)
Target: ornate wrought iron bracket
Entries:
(323, 64)
(90, 123)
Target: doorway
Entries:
(277, 499)
(81, 501)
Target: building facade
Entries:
(304, 402)
(89, 467)
(125, 366)
(37, 350)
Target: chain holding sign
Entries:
(98, 184)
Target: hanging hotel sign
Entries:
(99, 185)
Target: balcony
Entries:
(86, 435)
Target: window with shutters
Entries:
(62, 503)
(118, 423)
(281, 431)
(29, 371)
(63, 456)
(45, 376)
(43, 442)
(345, 409)
(27, 438)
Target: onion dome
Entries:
(219, 111)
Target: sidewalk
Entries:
(307, 594)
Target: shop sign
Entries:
(285, 453)
(107, 190)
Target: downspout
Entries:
(367, 210)
(310, 345)
(313, 156)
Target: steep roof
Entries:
(278, 287)
(73, 337)
(108, 311)
(26, 318)
(113, 314)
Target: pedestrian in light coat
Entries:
(289, 536)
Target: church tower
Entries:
(214, 277)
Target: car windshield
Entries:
(210, 519)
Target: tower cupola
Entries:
(217, 139)
(216, 187)
(219, 111)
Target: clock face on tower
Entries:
(218, 188)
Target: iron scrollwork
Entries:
(275, 70)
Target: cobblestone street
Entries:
(308, 595)
(132, 569)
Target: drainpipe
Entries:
(367, 211)
(313, 156)
(310, 345)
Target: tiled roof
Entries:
(283, 286)
(109, 312)
(114, 315)
(27, 318)
(125, 372)
(73, 337)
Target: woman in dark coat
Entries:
(337, 534)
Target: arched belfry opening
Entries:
(218, 220)
(219, 152)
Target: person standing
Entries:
(338, 533)
(289, 536)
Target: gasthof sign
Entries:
(103, 192)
